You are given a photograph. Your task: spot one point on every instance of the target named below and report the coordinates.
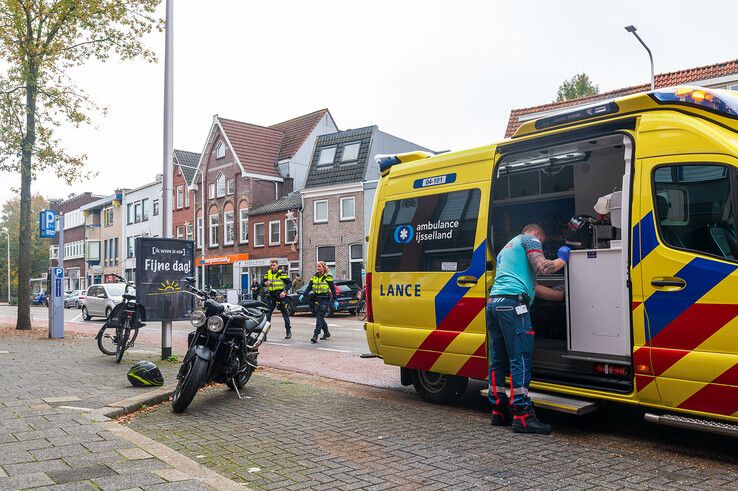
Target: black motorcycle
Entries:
(223, 347)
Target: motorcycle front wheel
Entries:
(188, 385)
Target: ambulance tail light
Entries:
(608, 369)
(369, 311)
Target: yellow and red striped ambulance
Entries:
(650, 315)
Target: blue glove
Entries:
(563, 253)
(335, 305)
(300, 298)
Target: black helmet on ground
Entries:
(145, 374)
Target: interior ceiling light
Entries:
(550, 165)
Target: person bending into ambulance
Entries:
(509, 328)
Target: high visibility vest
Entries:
(320, 284)
(276, 280)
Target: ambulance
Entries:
(645, 189)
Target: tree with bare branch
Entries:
(40, 40)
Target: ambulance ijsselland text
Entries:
(647, 184)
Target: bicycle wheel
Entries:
(106, 340)
(122, 332)
(361, 311)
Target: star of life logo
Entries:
(404, 234)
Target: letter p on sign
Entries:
(47, 224)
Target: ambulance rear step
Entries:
(677, 421)
(562, 404)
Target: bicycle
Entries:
(124, 321)
(361, 306)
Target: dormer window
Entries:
(326, 156)
(350, 152)
(220, 150)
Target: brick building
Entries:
(718, 76)
(333, 219)
(184, 199)
(104, 238)
(246, 166)
(75, 270)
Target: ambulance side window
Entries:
(694, 208)
(429, 233)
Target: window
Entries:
(115, 251)
(105, 251)
(220, 150)
(199, 232)
(145, 209)
(130, 243)
(356, 262)
(348, 208)
(350, 152)
(243, 225)
(213, 238)
(137, 212)
(76, 249)
(211, 190)
(290, 231)
(326, 156)
(228, 228)
(129, 213)
(320, 211)
(694, 209)
(220, 185)
(187, 197)
(155, 204)
(258, 235)
(274, 238)
(229, 186)
(73, 219)
(107, 217)
(180, 231)
(189, 234)
(428, 233)
(180, 197)
(328, 255)
(54, 252)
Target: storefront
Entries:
(221, 274)
(254, 269)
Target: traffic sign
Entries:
(47, 224)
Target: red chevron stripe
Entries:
(475, 367)
(713, 398)
(482, 350)
(664, 358)
(642, 381)
(438, 340)
(728, 377)
(634, 305)
(462, 314)
(695, 325)
(423, 360)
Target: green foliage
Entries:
(577, 86)
(172, 358)
(40, 41)
(39, 248)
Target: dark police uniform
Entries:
(278, 282)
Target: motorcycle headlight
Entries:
(215, 324)
(198, 318)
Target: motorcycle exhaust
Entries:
(261, 336)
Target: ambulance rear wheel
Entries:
(438, 388)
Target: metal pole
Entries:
(202, 228)
(632, 30)
(194, 227)
(7, 234)
(166, 211)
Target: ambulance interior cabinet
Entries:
(596, 303)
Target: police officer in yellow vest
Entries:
(321, 284)
(277, 284)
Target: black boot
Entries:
(325, 335)
(525, 421)
(502, 412)
(288, 335)
(314, 339)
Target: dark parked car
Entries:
(348, 292)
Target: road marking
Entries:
(4, 352)
(76, 318)
(336, 350)
(278, 344)
(334, 325)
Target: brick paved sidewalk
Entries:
(302, 432)
(49, 436)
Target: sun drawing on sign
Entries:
(169, 287)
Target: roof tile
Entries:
(296, 131)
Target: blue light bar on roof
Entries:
(387, 161)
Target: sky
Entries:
(441, 74)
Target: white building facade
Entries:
(141, 218)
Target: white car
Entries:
(101, 299)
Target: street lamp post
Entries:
(202, 228)
(7, 234)
(632, 30)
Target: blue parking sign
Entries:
(47, 224)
